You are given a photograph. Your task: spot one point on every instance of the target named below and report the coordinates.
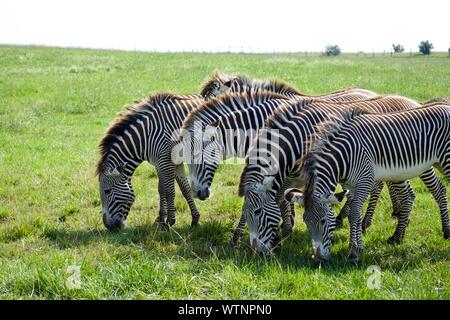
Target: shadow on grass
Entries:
(210, 241)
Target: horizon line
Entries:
(200, 51)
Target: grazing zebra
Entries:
(273, 155)
(365, 148)
(231, 136)
(145, 132)
(215, 85)
(220, 83)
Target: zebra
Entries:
(215, 85)
(231, 135)
(264, 178)
(146, 131)
(220, 83)
(365, 148)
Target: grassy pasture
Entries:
(55, 105)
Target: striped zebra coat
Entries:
(363, 149)
(147, 131)
(231, 136)
(273, 155)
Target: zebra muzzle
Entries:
(254, 243)
(203, 194)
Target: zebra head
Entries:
(218, 84)
(202, 155)
(117, 196)
(318, 217)
(262, 214)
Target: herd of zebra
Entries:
(289, 140)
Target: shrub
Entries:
(332, 50)
(398, 48)
(425, 47)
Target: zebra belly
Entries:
(398, 174)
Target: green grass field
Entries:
(55, 104)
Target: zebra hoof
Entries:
(353, 259)
(162, 225)
(232, 245)
(194, 222)
(447, 233)
(355, 253)
(394, 240)
(170, 222)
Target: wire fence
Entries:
(252, 50)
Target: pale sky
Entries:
(276, 25)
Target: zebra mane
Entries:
(128, 117)
(436, 101)
(222, 103)
(209, 85)
(273, 85)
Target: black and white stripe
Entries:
(145, 132)
(366, 148)
(266, 177)
(231, 134)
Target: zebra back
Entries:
(296, 123)
(158, 112)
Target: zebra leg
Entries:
(355, 218)
(286, 214)
(162, 201)
(345, 211)
(404, 196)
(238, 232)
(183, 183)
(439, 193)
(396, 203)
(374, 197)
(168, 177)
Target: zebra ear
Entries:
(115, 172)
(210, 130)
(265, 185)
(226, 85)
(335, 198)
(215, 123)
(294, 195)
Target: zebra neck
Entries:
(328, 176)
(126, 157)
